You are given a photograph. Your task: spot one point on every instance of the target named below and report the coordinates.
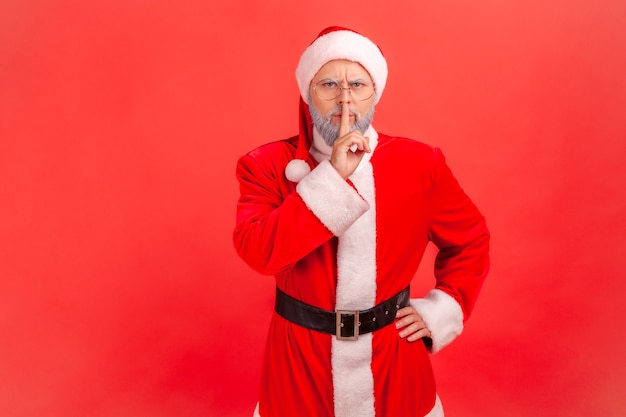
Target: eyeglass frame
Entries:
(343, 88)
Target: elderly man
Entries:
(341, 216)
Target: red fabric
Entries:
(333, 29)
(417, 199)
(420, 200)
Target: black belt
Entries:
(345, 324)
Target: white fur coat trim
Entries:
(353, 380)
(443, 317)
(437, 410)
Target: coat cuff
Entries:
(443, 317)
(331, 198)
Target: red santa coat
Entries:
(339, 244)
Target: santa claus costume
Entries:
(335, 244)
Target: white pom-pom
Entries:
(296, 169)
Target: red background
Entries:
(120, 126)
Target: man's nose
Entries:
(344, 95)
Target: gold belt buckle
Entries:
(339, 324)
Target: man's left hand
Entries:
(411, 325)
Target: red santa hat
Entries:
(332, 43)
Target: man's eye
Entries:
(357, 84)
(330, 84)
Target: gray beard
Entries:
(330, 132)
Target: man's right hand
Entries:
(343, 158)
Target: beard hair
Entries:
(330, 132)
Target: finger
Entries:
(344, 128)
(354, 141)
(419, 335)
(414, 332)
(408, 321)
(410, 330)
(405, 311)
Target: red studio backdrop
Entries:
(120, 126)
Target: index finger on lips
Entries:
(344, 127)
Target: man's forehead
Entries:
(342, 67)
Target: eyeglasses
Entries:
(329, 89)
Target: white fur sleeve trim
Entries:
(335, 202)
(443, 317)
